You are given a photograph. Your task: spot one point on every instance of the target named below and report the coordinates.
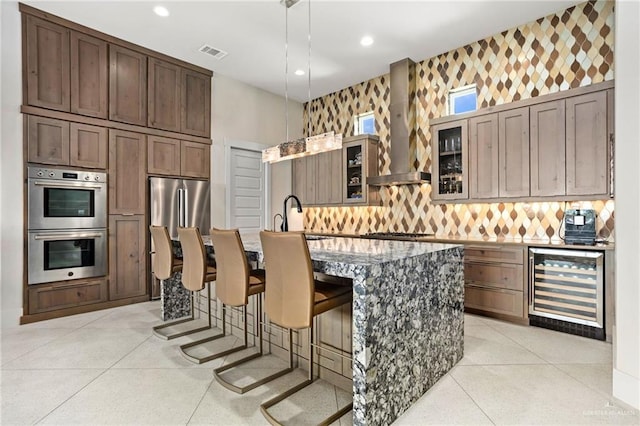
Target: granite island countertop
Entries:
(407, 315)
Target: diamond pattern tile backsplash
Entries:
(569, 49)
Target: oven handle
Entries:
(74, 236)
(68, 184)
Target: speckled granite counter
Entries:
(408, 301)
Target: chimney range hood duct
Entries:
(403, 117)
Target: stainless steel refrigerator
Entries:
(178, 203)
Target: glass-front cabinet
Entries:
(360, 158)
(449, 145)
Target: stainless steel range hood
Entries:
(403, 116)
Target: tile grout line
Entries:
(518, 343)
(206, 391)
(472, 399)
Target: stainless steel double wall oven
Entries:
(67, 224)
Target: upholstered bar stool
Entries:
(293, 298)
(195, 273)
(164, 264)
(235, 282)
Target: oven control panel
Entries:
(66, 175)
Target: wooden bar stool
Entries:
(293, 298)
(234, 284)
(195, 273)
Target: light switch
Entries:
(578, 220)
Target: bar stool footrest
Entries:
(250, 386)
(158, 333)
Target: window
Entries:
(463, 99)
(364, 124)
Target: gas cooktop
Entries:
(405, 236)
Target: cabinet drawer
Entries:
(499, 275)
(50, 297)
(507, 302)
(494, 254)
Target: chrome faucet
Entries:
(285, 225)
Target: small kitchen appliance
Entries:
(580, 226)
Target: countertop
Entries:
(527, 242)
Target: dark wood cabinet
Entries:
(88, 146)
(164, 89)
(195, 159)
(196, 103)
(89, 75)
(127, 256)
(47, 140)
(127, 86)
(127, 172)
(163, 156)
(52, 297)
(47, 64)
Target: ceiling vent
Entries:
(216, 53)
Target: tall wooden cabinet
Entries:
(164, 95)
(127, 172)
(47, 64)
(196, 103)
(89, 75)
(127, 256)
(127, 85)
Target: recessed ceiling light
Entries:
(161, 11)
(299, 72)
(366, 41)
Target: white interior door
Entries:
(246, 209)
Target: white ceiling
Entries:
(253, 33)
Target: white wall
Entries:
(10, 165)
(240, 112)
(626, 368)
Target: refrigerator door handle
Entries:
(185, 207)
(181, 216)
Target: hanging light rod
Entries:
(311, 144)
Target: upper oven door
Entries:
(57, 204)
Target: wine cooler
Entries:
(566, 291)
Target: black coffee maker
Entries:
(580, 226)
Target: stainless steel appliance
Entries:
(66, 199)
(178, 203)
(580, 227)
(566, 291)
(58, 255)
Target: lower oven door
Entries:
(67, 255)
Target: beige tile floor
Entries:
(106, 368)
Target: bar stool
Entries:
(164, 264)
(195, 273)
(234, 284)
(293, 298)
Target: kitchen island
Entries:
(408, 301)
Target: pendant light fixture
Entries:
(311, 144)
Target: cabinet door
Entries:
(449, 169)
(127, 86)
(196, 103)
(47, 140)
(164, 95)
(311, 179)
(354, 172)
(47, 64)
(51, 297)
(163, 156)
(88, 146)
(329, 177)
(195, 159)
(127, 172)
(89, 75)
(329, 332)
(513, 139)
(547, 148)
(127, 259)
(587, 143)
(299, 179)
(483, 156)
